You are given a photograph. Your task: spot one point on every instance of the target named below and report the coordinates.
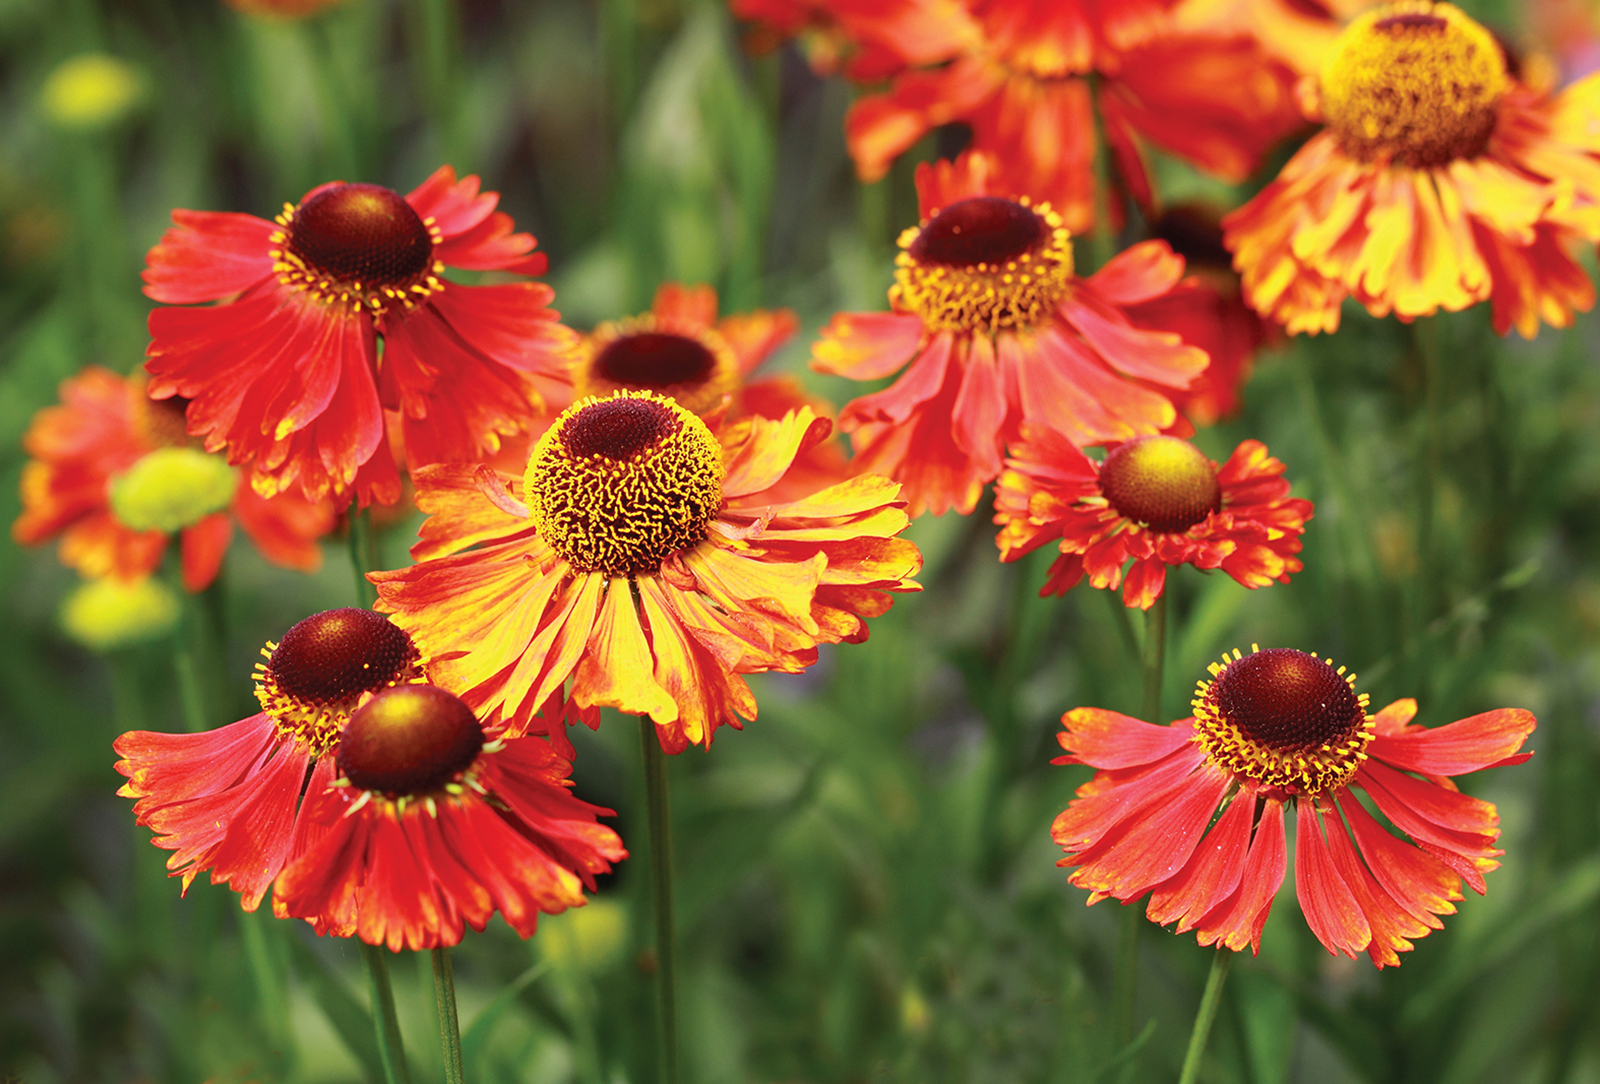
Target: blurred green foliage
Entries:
(867, 884)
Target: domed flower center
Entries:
(1195, 232)
(172, 488)
(637, 355)
(1285, 718)
(619, 484)
(316, 675)
(360, 245)
(1165, 483)
(409, 740)
(984, 263)
(1416, 83)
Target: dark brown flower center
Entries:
(361, 233)
(618, 428)
(981, 230)
(1195, 233)
(337, 654)
(654, 359)
(410, 739)
(1287, 700)
(1165, 483)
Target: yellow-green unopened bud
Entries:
(110, 613)
(585, 939)
(172, 488)
(91, 91)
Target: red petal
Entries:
(1483, 741)
(1238, 920)
(1330, 907)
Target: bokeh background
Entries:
(867, 888)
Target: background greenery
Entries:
(867, 884)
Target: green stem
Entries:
(444, 994)
(363, 553)
(385, 1023)
(1154, 658)
(1206, 1014)
(1125, 984)
(1427, 459)
(267, 973)
(659, 813)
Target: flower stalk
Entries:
(658, 811)
(444, 993)
(1205, 1016)
(385, 1022)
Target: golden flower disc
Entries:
(409, 739)
(357, 244)
(1413, 82)
(618, 484)
(171, 488)
(636, 355)
(316, 676)
(1283, 717)
(1165, 483)
(984, 262)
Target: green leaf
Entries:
(476, 1037)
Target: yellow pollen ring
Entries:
(620, 483)
(316, 723)
(1019, 292)
(358, 297)
(1413, 82)
(1309, 770)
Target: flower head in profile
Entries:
(229, 800)
(994, 330)
(1284, 730)
(680, 349)
(1437, 182)
(643, 563)
(113, 476)
(285, 373)
(431, 828)
(1018, 73)
(1156, 501)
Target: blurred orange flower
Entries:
(994, 330)
(1439, 181)
(649, 567)
(285, 373)
(1273, 730)
(1021, 73)
(104, 427)
(1155, 500)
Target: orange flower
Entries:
(1155, 500)
(870, 39)
(681, 350)
(286, 376)
(997, 332)
(103, 428)
(1438, 181)
(431, 829)
(1207, 310)
(229, 800)
(649, 567)
(1283, 729)
(1018, 75)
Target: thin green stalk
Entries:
(444, 995)
(1206, 1014)
(659, 814)
(1125, 983)
(267, 974)
(385, 1023)
(1154, 659)
(363, 554)
(1427, 462)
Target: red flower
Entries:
(1440, 181)
(870, 39)
(286, 375)
(680, 349)
(228, 800)
(1017, 73)
(1279, 729)
(1207, 310)
(650, 567)
(431, 829)
(998, 332)
(1155, 500)
(106, 425)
